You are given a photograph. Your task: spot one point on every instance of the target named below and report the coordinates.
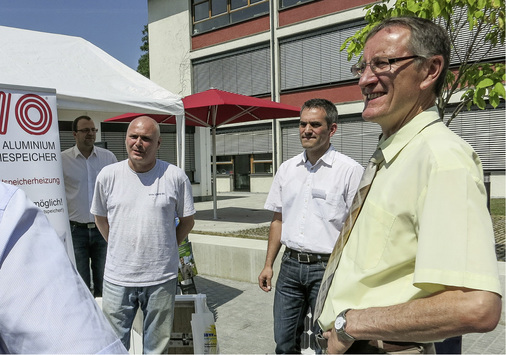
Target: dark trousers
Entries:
(450, 346)
(90, 250)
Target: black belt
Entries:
(90, 225)
(306, 258)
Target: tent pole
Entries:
(180, 141)
(215, 203)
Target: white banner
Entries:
(30, 156)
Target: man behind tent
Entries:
(81, 165)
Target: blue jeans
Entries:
(296, 290)
(90, 245)
(120, 305)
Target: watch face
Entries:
(339, 322)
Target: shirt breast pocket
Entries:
(329, 207)
(374, 231)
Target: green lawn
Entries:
(497, 206)
(497, 210)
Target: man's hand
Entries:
(335, 345)
(264, 279)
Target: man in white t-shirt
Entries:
(135, 205)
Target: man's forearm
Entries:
(103, 226)
(443, 315)
(274, 242)
(184, 228)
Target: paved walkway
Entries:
(236, 211)
(244, 321)
(244, 313)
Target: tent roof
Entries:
(85, 77)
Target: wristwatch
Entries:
(340, 325)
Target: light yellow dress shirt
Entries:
(424, 224)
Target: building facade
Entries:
(287, 51)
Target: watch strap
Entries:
(341, 333)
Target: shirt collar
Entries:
(397, 141)
(327, 158)
(77, 152)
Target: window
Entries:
(463, 41)
(485, 131)
(301, 68)
(245, 72)
(235, 4)
(212, 14)
(224, 165)
(200, 11)
(261, 164)
(218, 7)
(243, 141)
(289, 3)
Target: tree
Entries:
(143, 66)
(480, 22)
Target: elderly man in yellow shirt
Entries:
(420, 263)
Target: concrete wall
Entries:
(260, 183)
(231, 258)
(224, 183)
(497, 186)
(169, 45)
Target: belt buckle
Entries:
(304, 259)
(90, 225)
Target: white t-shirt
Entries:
(141, 210)
(314, 200)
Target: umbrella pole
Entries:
(215, 203)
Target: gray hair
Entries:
(427, 39)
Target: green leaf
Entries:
(478, 98)
(493, 99)
(499, 88)
(485, 82)
(436, 9)
(413, 6)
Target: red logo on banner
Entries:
(32, 112)
(31, 102)
(5, 103)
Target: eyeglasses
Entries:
(378, 65)
(88, 130)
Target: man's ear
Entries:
(333, 129)
(433, 68)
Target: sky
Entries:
(115, 26)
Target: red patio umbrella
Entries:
(213, 108)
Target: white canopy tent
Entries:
(86, 79)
